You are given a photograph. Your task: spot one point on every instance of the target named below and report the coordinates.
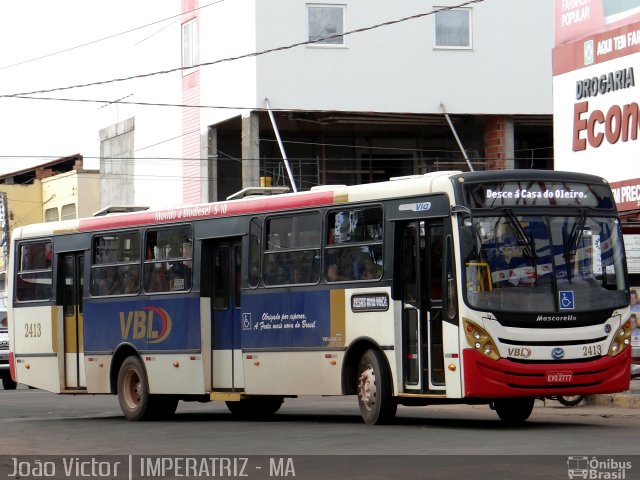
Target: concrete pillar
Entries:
(212, 162)
(250, 150)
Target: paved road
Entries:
(33, 422)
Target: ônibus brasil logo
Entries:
(151, 323)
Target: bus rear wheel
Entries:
(135, 400)
(8, 383)
(377, 406)
(514, 411)
(255, 408)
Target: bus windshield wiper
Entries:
(528, 251)
(576, 234)
(571, 243)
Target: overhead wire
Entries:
(246, 55)
(27, 95)
(109, 37)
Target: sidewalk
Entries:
(628, 399)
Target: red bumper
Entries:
(12, 367)
(486, 378)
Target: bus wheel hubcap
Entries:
(367, 387)
(133, 390)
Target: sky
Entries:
(34, 35)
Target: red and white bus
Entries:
(478, 288)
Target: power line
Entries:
(247, 55)
(109, 37)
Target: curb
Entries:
(621, 400)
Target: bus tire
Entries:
(8, 383)
(255, 408)
(377, 405)
(133, 394)
(514, 411)
(570, 400)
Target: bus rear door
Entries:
(70, 285)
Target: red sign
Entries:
(626, 194)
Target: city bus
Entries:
(495, 288)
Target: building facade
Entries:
(350, 92)
(57, 190)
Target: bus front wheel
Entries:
(133, 394)
(377, 405)
(514, 411)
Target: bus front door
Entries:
(226, 366)
(70, 285)
(421, 279)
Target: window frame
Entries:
(443, 11)
(35, 272)
(118, 266)
(335, 248)
(341, 42)
(268, 252)
(186, 260)
(189, 46)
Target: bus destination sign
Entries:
(538, 194)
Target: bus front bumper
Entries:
(486, 378)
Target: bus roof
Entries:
(318, 197)
(332, 195)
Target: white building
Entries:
(364, 104)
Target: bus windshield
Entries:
(539, 263)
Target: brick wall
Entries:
(494, 142)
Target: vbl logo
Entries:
(151, 323)
(522, 352)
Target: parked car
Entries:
(7, 381)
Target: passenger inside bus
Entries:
(340, 266)
(372, 271)
(508, 265)
(109, 284)
(131, 280)
(156, 280)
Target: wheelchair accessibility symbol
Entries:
(566, 300)
(246, 321)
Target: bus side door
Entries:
(225, 267)
(70, 285)
(420, 275)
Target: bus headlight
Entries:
(621, 340)
(480, 340)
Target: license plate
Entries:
(560, 377)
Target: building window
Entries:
(453, 28)
(326, 21)
(189, 45)
(51, 214)
(69, 211)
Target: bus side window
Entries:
(34, 275)
(168, 260)
(353, 249)
(113, 257)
